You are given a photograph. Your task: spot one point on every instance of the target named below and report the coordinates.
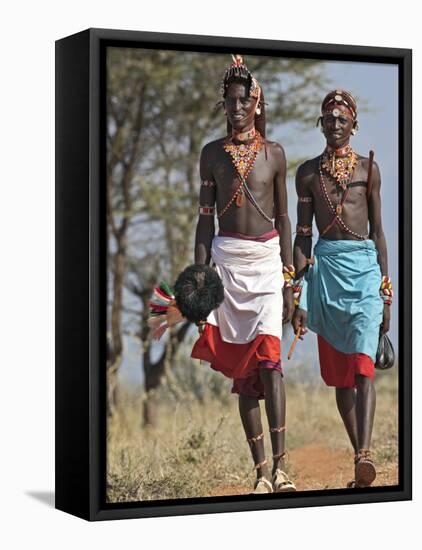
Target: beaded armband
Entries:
(386, 290)
(207, 183)
(288, 274)
(206, 210)
(304, 230)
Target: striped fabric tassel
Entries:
(161, 298)
(164, 312)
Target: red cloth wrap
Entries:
(241, 362)
(340, 369)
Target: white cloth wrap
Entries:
(252, 275)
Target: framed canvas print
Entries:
(233, 221)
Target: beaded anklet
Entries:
(260, 464)
(252, 440)
(278, 430)
(280, 456)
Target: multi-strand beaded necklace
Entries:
(339, 166)
(243, 157)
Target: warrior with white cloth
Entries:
(243, 185)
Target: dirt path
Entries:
(317, 467)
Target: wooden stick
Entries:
(292, 347)
(369, 182)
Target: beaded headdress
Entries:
(339, 102)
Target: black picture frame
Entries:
(81, 273)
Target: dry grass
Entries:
(198, 447)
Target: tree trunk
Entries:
(154, 372)
(112, 388)
(150, 410)
(116, 345)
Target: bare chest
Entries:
(341, 213)
(260, 179)
(326, 190)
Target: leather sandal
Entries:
(280, 480)
(365, 472)
(282, 483)
(262, 486)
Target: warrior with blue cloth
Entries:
(343, 292)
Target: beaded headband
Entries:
(339, 102)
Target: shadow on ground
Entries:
(46, 497)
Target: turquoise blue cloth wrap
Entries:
(341, 295)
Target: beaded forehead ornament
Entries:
(339, 102)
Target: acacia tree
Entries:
(161, 111)
(127, 124)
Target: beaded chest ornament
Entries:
(337, 209)
(340, 165)
(243, 157)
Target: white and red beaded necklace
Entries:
(339, 164)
